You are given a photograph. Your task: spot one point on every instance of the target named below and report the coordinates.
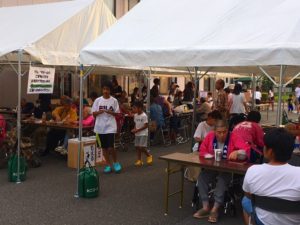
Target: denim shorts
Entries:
(247, 206)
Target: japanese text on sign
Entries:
(40, 80)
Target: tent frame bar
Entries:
(82, 76)
(267, 75)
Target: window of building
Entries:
(62, 84)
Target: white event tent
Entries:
(241, 36)
(52, 34)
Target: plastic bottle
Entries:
(297, 144)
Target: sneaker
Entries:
(107, 169)
(59, 149)
(150, 160)
(138, 163)
(117, 167)
(64, 152)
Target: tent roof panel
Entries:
(53, 33)
(205, 33)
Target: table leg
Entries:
(167, 189)
(182, 185)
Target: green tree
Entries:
(266, 84)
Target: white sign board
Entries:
(89, 155)
(40, 80)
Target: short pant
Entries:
(141, 141)
(107, 140)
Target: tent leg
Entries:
(20, 53)
(148, 101)
(194, 105)
(279, 107)
(253, 91)
(76, 195)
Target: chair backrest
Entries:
(276, 205)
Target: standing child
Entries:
(290, 103)
(210, 99)
(141, 134)
(104, 109)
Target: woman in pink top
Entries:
(88, 120)
(251, 132)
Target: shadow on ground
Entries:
(134, 197)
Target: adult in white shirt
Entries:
(237, 102)
(104, 109)
(271, 98)
(273, 179)
(297, 93)
(206, 126)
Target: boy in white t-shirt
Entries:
(141, 134)
(104, 110)
(206, 126)
(275, 179)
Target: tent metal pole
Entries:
(82, 76)
(194, 104)
(267, 75)
(20, 52)
(293, 78)
(148, 76)
(253, 91)
(80, 128)
(279, 108)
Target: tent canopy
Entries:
(52, 33)
(228, 35)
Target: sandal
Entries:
(201, 213)
(213, 217)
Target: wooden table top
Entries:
(190, 159)
(56, 125)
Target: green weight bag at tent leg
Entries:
(13, 168)
(88, 182)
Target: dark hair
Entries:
(290, 95)
(135, 89)
(202, 100)
(107, 84)
(209, 93)
(138, 104)
(227, 90)
(237, 89)
(254, 116)
(281, 142)
(222, 82)
(156, 81)
(215, 114)
(178, 93)
(257, 88)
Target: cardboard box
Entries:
(88, 152)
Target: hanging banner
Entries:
(40, 80)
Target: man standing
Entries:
(297, 93)
(221, 102)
